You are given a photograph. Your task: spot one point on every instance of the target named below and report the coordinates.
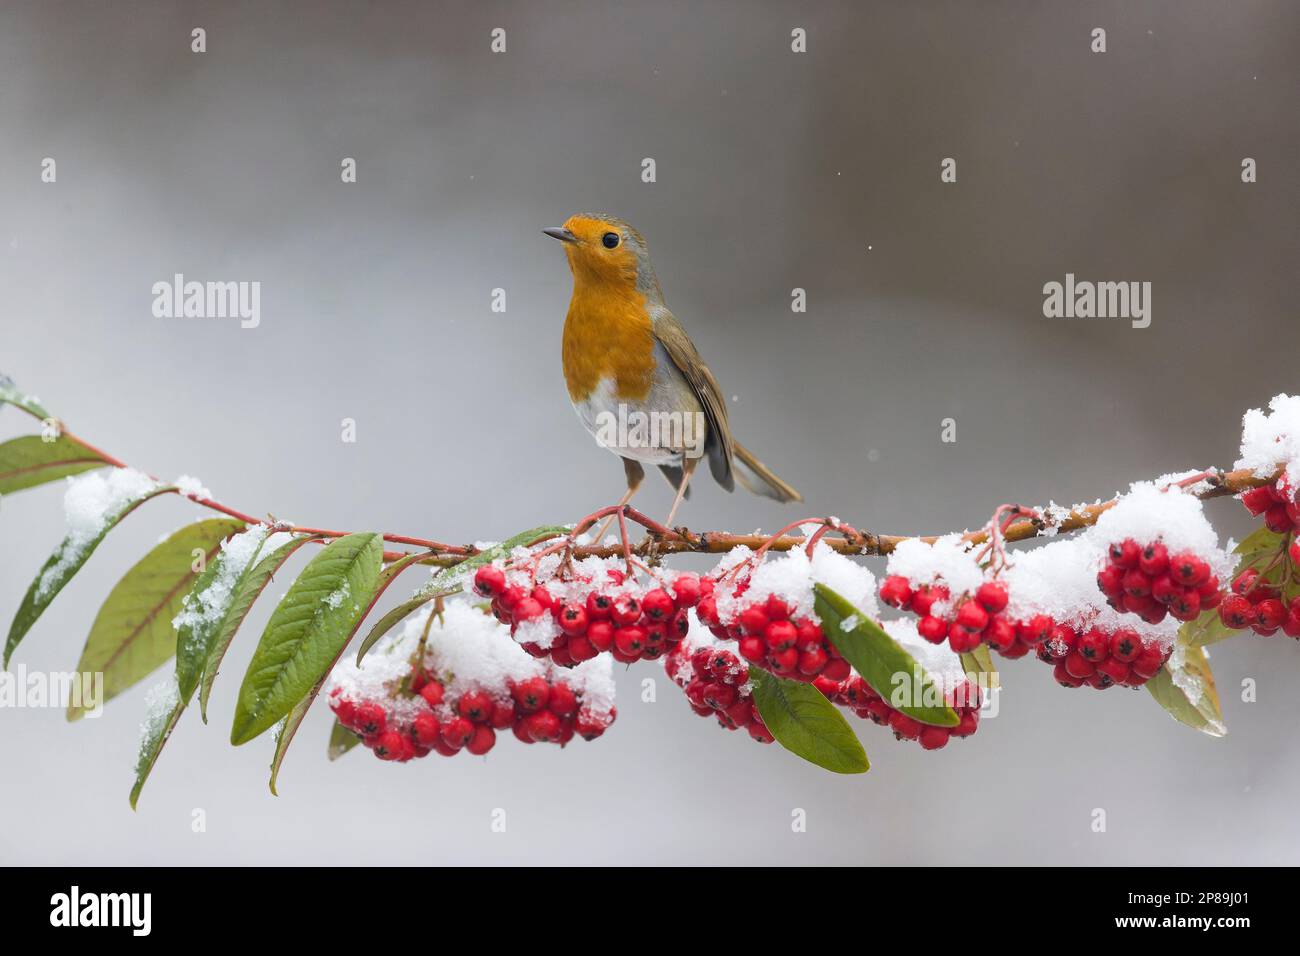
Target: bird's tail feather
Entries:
(759, 479)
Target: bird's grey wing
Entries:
(670, 334)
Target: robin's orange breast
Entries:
(608, 338)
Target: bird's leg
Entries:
(688, 469)
(635, 475)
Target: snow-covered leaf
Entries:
(307, 632)
(1184, 687)
(31, 460)
(9, 394)
(251, 584)
(292, 722)
(808, 725)
(164, 707)
(133, 634)
(90, 518)
(880, 659)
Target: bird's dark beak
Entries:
(559, 232)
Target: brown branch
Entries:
(660, 541)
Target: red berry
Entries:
(896, 591)
(601, 635)
(777, 608)
(426, 729)
(933, 629)
(781, 635)
(1154, 560)
(932, 738)
(1110, 580)
(503, 714)
(1236, 612)
(1113, 668)
(573, 619)
(1125, 553)
(457, 732)
(1293, 552)
(1269, 614)
(752, 648)
(392, 746)
(810, 636)
(475, 706)
(542, 596)
(657, 605)
(904, 726)
(924, 598)
(598, 606)
(563, 702)
(371, 720)
(753, 619)
(1125, 645)
(1188, 569)
(626, 609)
(1278, 520)
(630, 641)
(784, 662)
(1149, 661)
(1291, 626)
(489, 580)
(542, 726)
(1136, 584)
(686, 588)
(1165, 589)
(1036, 630)
(345, 709)
(1094, 646)
(1186, 606)
(483, 740)
(972, 617)
(812, 662)
(527, 609)
(581, 649)
(1064, 677)
(1258, 500)
(531, 694)
(961, 639)
(1000, 634)
(1079, 666)
(992, 596)
(837, 668)
(719, 696)
(591, 725)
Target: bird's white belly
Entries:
(635, 429)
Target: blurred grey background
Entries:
(775, 171)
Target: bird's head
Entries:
(606, 251)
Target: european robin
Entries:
(633, 374)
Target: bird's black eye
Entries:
(609, 240)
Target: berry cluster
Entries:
(1278, 503)
(861, 698)
(420, 718)
(769, 634)
(716, 683)
(1098, 657)
(1146, 580)
(1258, 605)
(571, 621)
(453, 687)
(967, 623)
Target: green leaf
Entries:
(158, 730)
(133, 634)
(60, 568)
(31, 460)
(881, 660)
(1257, 550)
(9, 394)
(1259, 545)
(287, 730)
(1184, 687)
(307, 632)
(247, 591)
(341, 741)
(1207, 629)
(196, 652)
(980, 663)
(808, 725)
(291, 723)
